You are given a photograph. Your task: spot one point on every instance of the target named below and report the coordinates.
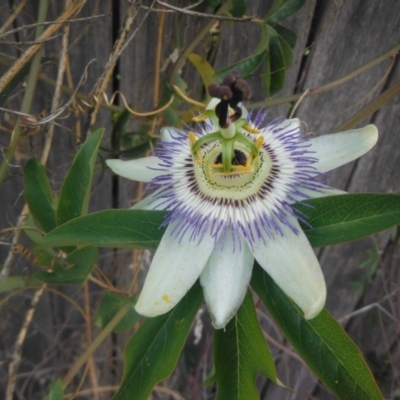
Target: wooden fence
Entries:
(335, 37)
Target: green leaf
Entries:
(277, 60)
(45, 258)
(119, 129)
(56, 390)
(74, 269)
(18, 282)
(170, 114)
(152, 353)
(38, 195)
(286, 52)
(75, 192)
(138, 150)
(281, 42)
(331, 220)
(286, 9)
(288, 35)
(203, 67)
(238, 8)
(110, 228)
(266, 75)
(321, 342)
(337, 219)
(134, 144)
(110, 305)
(240, 353)
(274, 9)
(248, 65)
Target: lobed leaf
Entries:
(240, 353)
(321, 342)
(152, 353)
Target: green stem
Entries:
(29, 93)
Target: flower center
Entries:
(245, 179)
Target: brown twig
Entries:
(28, 54)
(16, 356)
(123, 40)
(96, 343)
(13, 15)
(57, 92)
(67, 21)
(30, 42)
(371, 107)
(90, 362)
(183, 56)
(203, 15)
(5, 271)
(173, 11)
(331, 85)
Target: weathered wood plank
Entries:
(350, 34)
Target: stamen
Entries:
(192, 141)
(259, 142)
(200, 118)
(249, 129)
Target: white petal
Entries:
(292, 264)
(289, 124)
(173, 271)
(167, 134)
(226, 277)
(145, 204)
(213, 103)
(294, 123)
(151, 202)
(142, 169)
(245, 113)
(340, 148)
